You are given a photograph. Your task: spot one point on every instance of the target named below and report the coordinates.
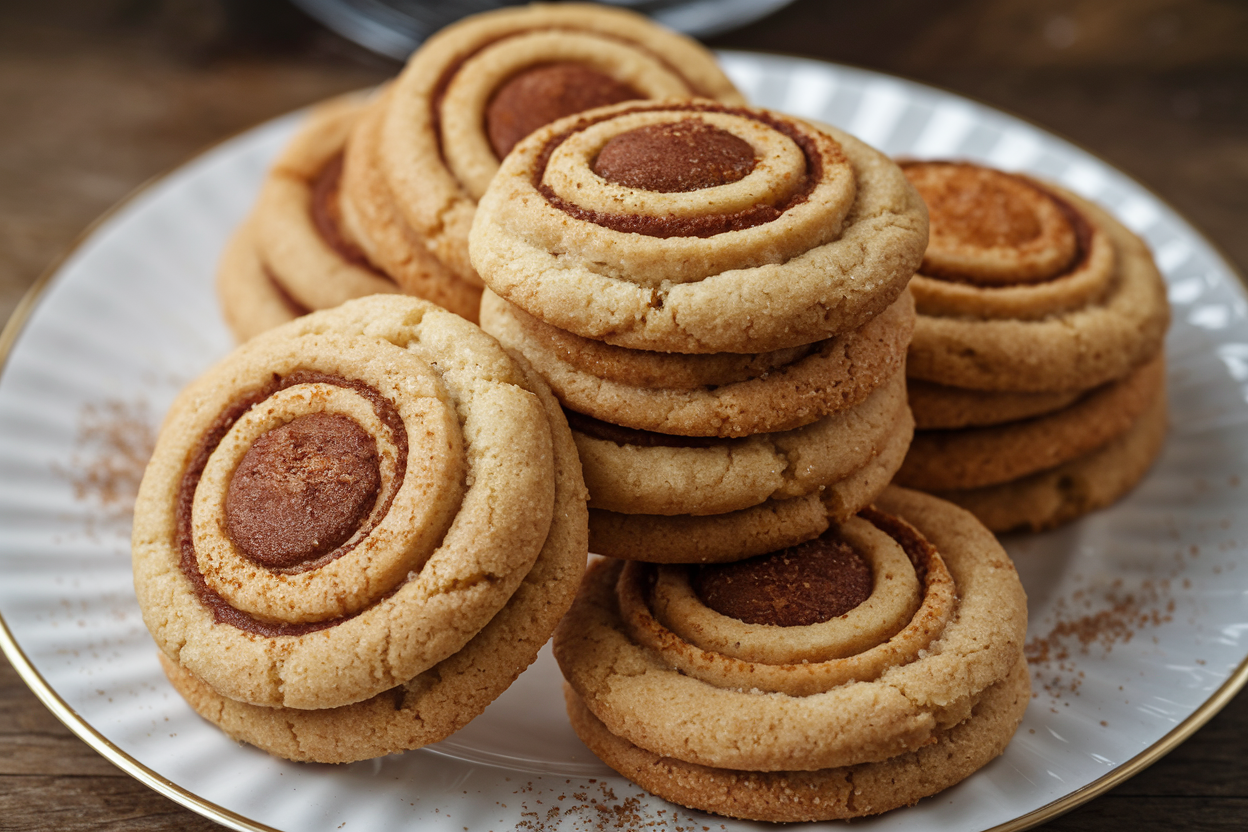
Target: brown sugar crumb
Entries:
(1088, 620)
(601, 810)
(114, 441)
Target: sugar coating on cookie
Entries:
(424, 436)
(808, 236)
(713, 668)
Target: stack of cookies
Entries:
(717, 295)
(1036, 373)
(858, 672)
(356, 530)
(378, 196)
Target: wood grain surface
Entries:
(99, 96)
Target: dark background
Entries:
(98, 96)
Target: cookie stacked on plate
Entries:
(378, 196)
(717, 295)
(858, 672)
(357, 529)
(1036, 371)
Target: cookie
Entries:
(475, 87)
(720, 394)
(938, 406)
(942, 460)
(436, 703)
(251, 300)
(826, 794)
(696, 227)
(297, 228)
(899, 631)
(642, 472)
(770, 525)
(1062, 323)
(372, 218)
(1058, 495)
(421, 451)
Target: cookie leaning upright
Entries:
(291, 255)
(345, 503)
(858, 672)
(1036, 370)
(420, 161)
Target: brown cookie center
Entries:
(975, 214)
(806, 584)
(982, 208)
(542, 94)
(686, 155)
(302, 490)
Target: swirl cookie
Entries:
(1065, 492)
(474, 89)
(251, 300)
(696, 227)
(349, 500)
(441, 700)
(941, 460)
(772, 524)
(1037, 348)
(296, 222)
(718, 394)
(372, 218)
(764, 689)
(643, 472)
(1028, 288)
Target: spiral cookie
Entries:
(642, 472)
(347, 501)
(719, 394)
(696, 227)
(811, 683)
(433, 704)
(476, 88)
(1037, 349)
(976, 457)
(251, 300)
(298, 229)
(1028, 288)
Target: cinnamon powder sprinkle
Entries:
(115, 439)
(598, 808)
(1086, 621)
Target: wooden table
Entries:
(100, 96)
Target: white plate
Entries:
(131, 315)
